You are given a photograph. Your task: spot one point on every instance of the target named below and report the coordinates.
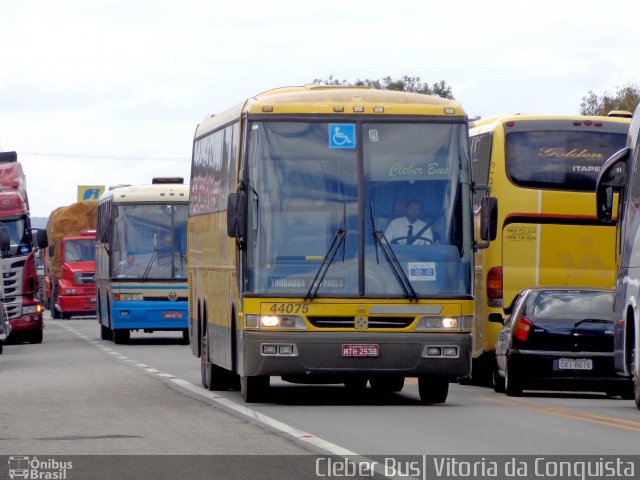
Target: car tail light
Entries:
(494, 283)
(522, 329)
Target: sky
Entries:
(110, 92)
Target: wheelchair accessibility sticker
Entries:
(342, 135)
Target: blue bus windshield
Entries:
(150, 241)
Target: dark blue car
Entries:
(558, 338)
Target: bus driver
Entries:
(409, 230)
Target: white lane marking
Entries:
(264, 419)
(258, 417)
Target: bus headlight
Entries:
(269, 322)
(448, 324)
(128, 297)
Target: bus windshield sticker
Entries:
(422, 271)
(373, 135)
(342, 135)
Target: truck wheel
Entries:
(52, 306)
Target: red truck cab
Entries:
(17, 258)
(74, 292)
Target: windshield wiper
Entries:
(336, 241)
(380, 238)
(148, 267)
(592, 320)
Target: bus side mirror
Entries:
(488, 221)
(5, 241)
(611, 179)
(236, 215)
(496, 317)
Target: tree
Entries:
(403, 84)
(625, 98)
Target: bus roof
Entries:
(169, 193)
(518, 117)
(334, 99)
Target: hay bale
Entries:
(69, 220)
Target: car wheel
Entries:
(254, 389)
(387, 384)
(512, 384)
(497, 380)
(433, 389)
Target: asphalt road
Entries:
(78, 394)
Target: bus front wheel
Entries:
(254, 389)
(106, 333)
(433, 389)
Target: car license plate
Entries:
(171, 314)
(574, 364)
(360, 350)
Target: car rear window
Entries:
(572, 305)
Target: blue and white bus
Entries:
(141, 259)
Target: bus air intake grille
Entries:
(349, 322)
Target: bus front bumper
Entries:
(334, 353)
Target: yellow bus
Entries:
(543, 171)
(298, 264)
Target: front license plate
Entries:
(360, 350)
(573, 364)
(171, 314)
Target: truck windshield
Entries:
(80, 250)
(307, 183)
(150, 241)
(20, 236)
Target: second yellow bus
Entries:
(543, 171)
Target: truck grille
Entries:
(85, 278)
(349, 322)
(12, 287)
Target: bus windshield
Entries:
(560, 160)
(310, 209)
(150, 241)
